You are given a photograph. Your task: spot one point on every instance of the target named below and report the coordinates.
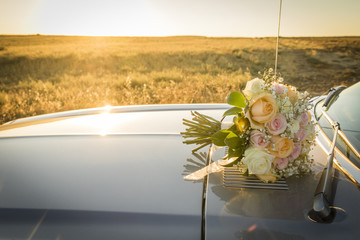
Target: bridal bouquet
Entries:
(270, 134)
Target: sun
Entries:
(95, 18)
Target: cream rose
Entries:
(287, 106)
(257, 160)
(281, 147)
(254, 87)
(262, 109)
(294, 126)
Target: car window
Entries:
(345, 109)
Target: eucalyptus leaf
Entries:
(236, 99)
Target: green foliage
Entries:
(236, 99)
(237, 152)
(232, 111)
(200, 129)
(219, 137)
(232, 140)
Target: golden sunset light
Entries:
(185, 17)
(60, 55)
(185, 119)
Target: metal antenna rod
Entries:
(277, 39)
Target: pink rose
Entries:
(277, 125)
(304, 119)
(300, 135)
(296, 153)
(258, 139)
(279, 88)
(280, 163)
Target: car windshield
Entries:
(345, 109)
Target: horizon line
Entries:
(168, 36)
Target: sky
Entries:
(213, 18)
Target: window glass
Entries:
(345, 109)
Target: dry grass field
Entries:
(44, 74)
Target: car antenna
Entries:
(323, 193)
(277, 39)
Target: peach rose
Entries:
(262, 109)
(281, 147)
(292, 95)
(277, 125)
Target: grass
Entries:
(44, 74)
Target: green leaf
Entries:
(236, 152)
(232, 140)
(235, 119)
(236, 99)
(218, 138)
(232, 111)
(234, 129)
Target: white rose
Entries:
(254, 87)
(287, 105)
(294, 126)
(257, 160)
